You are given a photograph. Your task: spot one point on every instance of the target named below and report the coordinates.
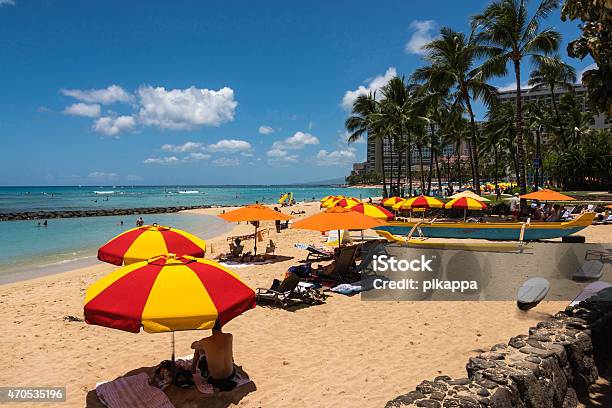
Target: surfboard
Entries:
(590, 290)
(591, 269)
(283, 198)
(532, 292)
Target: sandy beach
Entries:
(345, 352)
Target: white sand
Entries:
(343, 353)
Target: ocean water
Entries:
(29, 249)
(16, 199)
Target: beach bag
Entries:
(302, 271)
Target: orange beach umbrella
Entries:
(142, 243)
(547, 195)
(337, 218)
(254, 213)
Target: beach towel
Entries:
(132, 391)
(346, 289)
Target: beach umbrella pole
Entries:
(256, 237)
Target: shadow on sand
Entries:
(191, 398)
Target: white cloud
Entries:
(585, 69)
(83, 109)
(105, 96)
(161, 160)
(225, 162)
(371, 85)
(102, 176)
(279, 157)
(182, 148)
(297, 141)
(112, 126)
(7, 3)
(265, 130)
(335, 158)
(421, 35)
(188, 108)
(231, 145)
(193, 157)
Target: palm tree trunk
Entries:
(552, 96)
(420, 148)
(459, 164)
(400, 157)
(431, 156)
(520, 146)
(382, 162)
(438, 173)
(409, 164)
(390, 142)
(473, 146)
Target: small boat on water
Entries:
(495, 231)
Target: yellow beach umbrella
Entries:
(470, 194)
(465, 203)
(391, 201)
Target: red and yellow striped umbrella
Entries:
(167, 293)
(373, 210)
(330, 202)
(465, 203)
(346, 202)
(391, 201)
(142, 243)
(421, 201)
(148, 241)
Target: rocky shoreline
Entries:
(553, 366)
(41, 215)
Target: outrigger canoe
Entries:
(495, 231)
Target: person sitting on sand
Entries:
(214, 356)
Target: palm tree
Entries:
(510, 35)
(451, 66)
(500, 131)
(552, 73)
(395, 113)
(362, 122)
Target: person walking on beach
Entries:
(515, 207)
(277, 223)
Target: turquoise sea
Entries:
(27, 249)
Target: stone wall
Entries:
(552, 366)
(40, 215)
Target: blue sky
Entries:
(190, 92)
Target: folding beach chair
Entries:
(367, 255)
(288, 293)
(315, 254)
(280, 293)
(343, 263)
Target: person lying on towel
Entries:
(214, 357)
